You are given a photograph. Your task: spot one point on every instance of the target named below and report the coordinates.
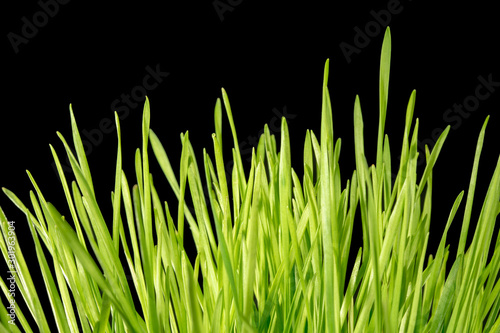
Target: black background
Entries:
(267, 56)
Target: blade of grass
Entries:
(470, 192)
(385, 64)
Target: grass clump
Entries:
(272, 248)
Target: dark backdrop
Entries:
(269, 58)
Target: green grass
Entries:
(273, 247)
